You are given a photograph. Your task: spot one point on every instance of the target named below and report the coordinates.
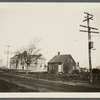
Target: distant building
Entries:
(13, 63)
(38, 64)
(84, 69)
(78, 67)
(98, 67)
(61, 64)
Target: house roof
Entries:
(32, 56)
(59, 58)
(38, 57)
(13, 57)
(84, 68)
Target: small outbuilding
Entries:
(61, 64)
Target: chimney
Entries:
(58, 53)
(78, 64)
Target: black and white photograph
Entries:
(49, 47)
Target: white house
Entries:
(38, 64)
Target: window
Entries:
(68, 59)
(71, 60)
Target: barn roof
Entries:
(59, 58)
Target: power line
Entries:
(89, 17)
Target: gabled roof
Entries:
(14, 57)
(59, 58)
(84, 68)
(36, 56)
(39, 56)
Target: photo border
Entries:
(43, 96)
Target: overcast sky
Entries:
(56, 24)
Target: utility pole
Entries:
(8, 52)
(89, 17)
(1, 62)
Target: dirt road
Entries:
(44, 86)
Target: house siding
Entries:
(69, 65)
(37, 65)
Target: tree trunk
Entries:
(16, 68)
(27, 69)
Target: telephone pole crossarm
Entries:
(88, 27)
(87, 31)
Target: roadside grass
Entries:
(39, 85)
(11, 87)
(82, 77)
(53, 77)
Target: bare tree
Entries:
(18, 59)
(28, 51)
